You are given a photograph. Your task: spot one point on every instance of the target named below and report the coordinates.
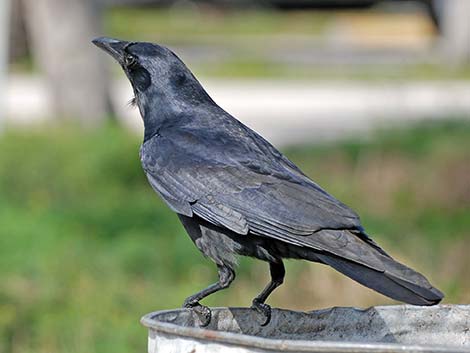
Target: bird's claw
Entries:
(263, 309)
(203, 312)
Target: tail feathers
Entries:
(411, 280)
(397, 281)
(363, 236)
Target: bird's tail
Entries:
(397, 281)
(393, 279)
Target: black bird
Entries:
(236, 194)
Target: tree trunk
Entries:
(18, 38)
(4, 31)
(60, 32)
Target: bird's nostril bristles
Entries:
(132, 102)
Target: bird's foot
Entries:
(263, 309)
(203, 312)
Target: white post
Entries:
(456, 30)
(4, 44)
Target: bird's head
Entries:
(154, 71)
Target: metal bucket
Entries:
(401, 328)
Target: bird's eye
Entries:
(130, 61)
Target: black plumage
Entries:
(238, 195)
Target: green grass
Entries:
(86, 247)
(186, 25)
(259, 66)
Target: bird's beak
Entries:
(113, 47)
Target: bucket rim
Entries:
(151, 321)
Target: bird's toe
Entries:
(264, 310)
(202, 312)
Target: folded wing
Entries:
(263, 194)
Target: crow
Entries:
(236, 194)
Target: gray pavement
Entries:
(285, 112)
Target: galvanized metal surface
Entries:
(401, 328)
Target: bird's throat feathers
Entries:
(177, 94)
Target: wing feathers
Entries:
(271, 199)
(221, 215)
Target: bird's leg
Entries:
(226, 276)
(277, 278)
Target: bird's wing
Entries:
(244, 188)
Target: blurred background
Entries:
(370, 98)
